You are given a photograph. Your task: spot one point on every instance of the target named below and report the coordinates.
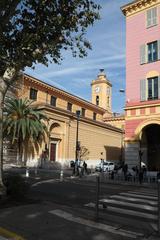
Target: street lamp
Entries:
(140, 151)
(78, 114)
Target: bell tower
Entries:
(102, 91)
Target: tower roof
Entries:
(102, 77)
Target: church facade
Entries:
(98, 140)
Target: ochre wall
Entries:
(100, 139)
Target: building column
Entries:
(132, 153)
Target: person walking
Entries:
(85, 167)
(125, 170)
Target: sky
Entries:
(107, 37)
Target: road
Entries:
(66, 210)
(131, 208)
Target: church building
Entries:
(100, 140)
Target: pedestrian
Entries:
(158, 175)
(112, 175)
(136, 170)
(74, 168)
(102, 163)
(125, 170)
(85, 167)
(141, 176)
(77, 167)
(144, 169)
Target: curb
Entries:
(6, 234)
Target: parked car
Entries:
(106, 167)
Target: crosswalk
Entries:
(140, 204)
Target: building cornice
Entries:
(113, 119)
(98, 81)
(72, 115)
(69, 96)
(138, 6)
(144, 104)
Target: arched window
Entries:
(97, 100)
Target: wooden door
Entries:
(53, 152)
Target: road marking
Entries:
(100, 226)
(2, 238)
(128, 212)
(139, 196)
(127, 204)
(134, 199)
(6, 234)
(45, 181)
(153, 194)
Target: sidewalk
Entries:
(38, 175)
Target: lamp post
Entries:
(140, 151)
(78, 114)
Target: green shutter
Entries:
(158, 43)
(159, 87)
(143, 90)
(149, 17)
(143, 54)
(154, 16)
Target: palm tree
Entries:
(24, 125)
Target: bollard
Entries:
(61, 175)
(97, 199)
(35, 171)
(27, 172)
(159, 207)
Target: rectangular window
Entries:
(151, 17)
(152, 88)
(83, 112)
(152, 51)
(33, 94)
(94, 116)
(53, 101)
(69, 106)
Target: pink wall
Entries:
(130, 127)
(136, 35)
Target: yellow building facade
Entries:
(101, 140)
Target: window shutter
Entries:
(143, 90)
(154, 16)
(158, 43)
(159, 87)
(149, 17)
(143, 54)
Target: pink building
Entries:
(142, 126)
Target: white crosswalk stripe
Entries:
(140, 204)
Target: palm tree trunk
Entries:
(2, 188)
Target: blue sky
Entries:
(107, 37)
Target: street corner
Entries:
(7, 234)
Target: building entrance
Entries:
(53, 152)
(150, 145)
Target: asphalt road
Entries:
(66, 210)
(74, 192)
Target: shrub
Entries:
(16, 186)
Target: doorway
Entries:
(53, 148)
(151, 140)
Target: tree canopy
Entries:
(37, 31)
(30, 31)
